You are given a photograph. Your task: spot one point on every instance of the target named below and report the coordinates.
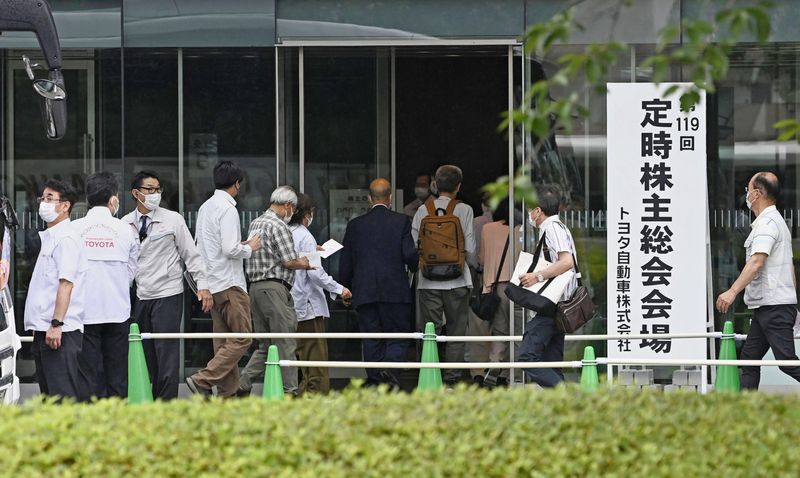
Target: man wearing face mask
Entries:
(542, 342)
(768, 282)
(422, 191)
(164, 240)
(112, 250)
(54, 307)
(271, 275)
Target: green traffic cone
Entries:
(273, 380)
(727, 375)
(589, 380)
(430, 378)
(139, 388)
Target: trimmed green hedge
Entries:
(468, 432)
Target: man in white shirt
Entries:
(167, 248)
(54, 307)
(112, 251)
(219, 237)
(446, 302)
(541, 341)
(768, 282)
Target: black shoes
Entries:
(390, 379)
(241, 393)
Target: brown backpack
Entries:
(441, 243)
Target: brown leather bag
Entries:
(573, 313)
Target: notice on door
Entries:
(656, 222)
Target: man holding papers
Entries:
(542, 342)
(310, 303)
(271, 275)
(166, 246)
(377, 250)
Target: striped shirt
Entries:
(277, 248)
(559, 239)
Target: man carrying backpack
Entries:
(442, 230)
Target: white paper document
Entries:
(523, 264)
(313, 259)
(330, 248)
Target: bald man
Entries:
(768, 282)
(378, 252)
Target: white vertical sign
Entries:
(656, 221)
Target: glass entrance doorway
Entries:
(33, 159)
(350, 114)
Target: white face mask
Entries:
(533, 221)
(310, 220)
(287, 217)
(422, 193)
(151, 201)
(47, 211)
(747, 201)
(114, 205)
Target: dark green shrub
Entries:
(520, 432)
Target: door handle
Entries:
(88, 164)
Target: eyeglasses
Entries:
(151, 190)
(747, 190)
(49, 200)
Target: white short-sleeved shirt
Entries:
(60, 257)
(559, 239)
(774, 284)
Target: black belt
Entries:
(280, 281)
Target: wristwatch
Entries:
(540, 276)
(56, 323)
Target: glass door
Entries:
(33, 159)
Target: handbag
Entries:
(485, 305)
(574, 312)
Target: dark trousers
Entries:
(57, 370)
(385, 317)
(541, 342)
(163, 356)
(104, 359)
(771, 327)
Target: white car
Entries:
(9, 345)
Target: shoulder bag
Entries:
(485, 305)
(574, 312)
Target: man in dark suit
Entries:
(377, 250)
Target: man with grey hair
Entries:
(446, 302)
(271, 275)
